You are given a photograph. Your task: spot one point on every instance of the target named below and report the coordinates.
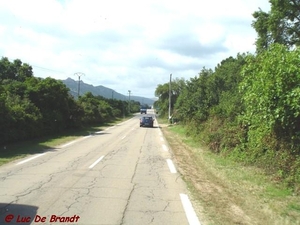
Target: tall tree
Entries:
(280, 25)
(162, 92)
(15, 70)
(22, 70)
(52, 98)
(224, 87)
(271, 95)
(7, 70)
(194, 101)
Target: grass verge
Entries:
(19, 150)
(226, 192)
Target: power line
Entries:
(129, 92)
(39, 67)
(47, 69)
(170, 95)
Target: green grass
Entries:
(11, 152)
(163, 120)
(277, 192)
(294, 207)
(254, 185)
(180, 130)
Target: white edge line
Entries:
(87, 136)
(189, 210)
(123, 137)
(95, 163)
(171, 166)
(70, 143)
(73, 142)
(33, 157)
(165, 148)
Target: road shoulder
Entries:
(225, 193)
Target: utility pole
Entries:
(123, 106)
(79, 74)
(129, 99)
(170, 95)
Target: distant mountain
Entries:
(102, 91)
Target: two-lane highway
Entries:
(122, 175)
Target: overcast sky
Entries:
(126, 45)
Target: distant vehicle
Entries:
(146, 121)
(143, 111)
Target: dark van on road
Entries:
(146, 121)
(143, 111)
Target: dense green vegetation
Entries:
(32, 107)
(280, 25)
(248, 107)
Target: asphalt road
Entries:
(122, 175)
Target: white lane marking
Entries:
(33, 157)
(189, 210)
(87, 136)
(165, 148)
(171, 166)
(123, 137)
(95, 163)
(161, 138)
(73, 142)
(69, 143)
(100, 132)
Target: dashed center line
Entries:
(95, 163)
(171, 166)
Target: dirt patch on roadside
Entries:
(216, 200)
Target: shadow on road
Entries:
(16, 214)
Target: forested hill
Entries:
(102, 91)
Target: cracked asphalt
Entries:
(131, 184)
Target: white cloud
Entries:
(39, 12)
(123, 44)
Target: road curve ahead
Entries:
(122, 175)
